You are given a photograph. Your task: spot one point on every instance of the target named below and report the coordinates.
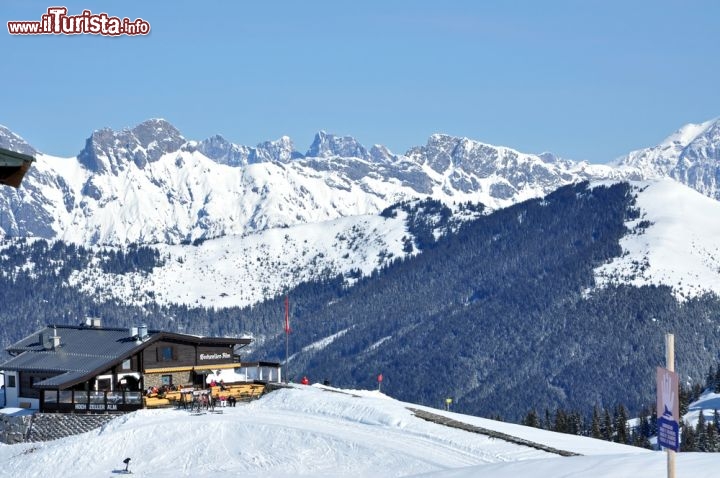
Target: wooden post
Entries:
(670, 365)
(287, 336)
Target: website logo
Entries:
(57, 22)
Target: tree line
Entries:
(615, 426)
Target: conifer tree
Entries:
(653, 422)
(697, 390)
(561, 424)
(531, 419)
(687, 442)
(644, 425)
(595, 427)
(684, 397)
(621, 424)
(710, 378)
(575, 423)
(607, 426)
(701, 433)
(548, 424)
(711, 438)
(640, 440)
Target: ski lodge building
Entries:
(89, 368)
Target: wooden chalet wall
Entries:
(170, 357)
(167, 353)
(181, 354)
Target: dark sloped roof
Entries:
(81, 340)
(51, 361)
(85, 351)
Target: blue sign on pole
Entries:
(668, 413)
(668, 433)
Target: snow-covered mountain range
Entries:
(149, 184)
(269, 216)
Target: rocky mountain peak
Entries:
(158, 137)
(282, 149)
(223, 151)
(443, 151)
(107, 150)
(328, 145)
(380, 154)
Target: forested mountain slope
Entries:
(503, 314)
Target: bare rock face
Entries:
(110, 151)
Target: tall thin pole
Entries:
(670, 365)
(287, 335)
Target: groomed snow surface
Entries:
(320, 431)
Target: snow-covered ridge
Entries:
(675, 242)
(243, 270)
(690, 155)
(688, 133)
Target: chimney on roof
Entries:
(133, 331)
(142, 332)
(55, 339)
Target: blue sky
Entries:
(584, 79)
